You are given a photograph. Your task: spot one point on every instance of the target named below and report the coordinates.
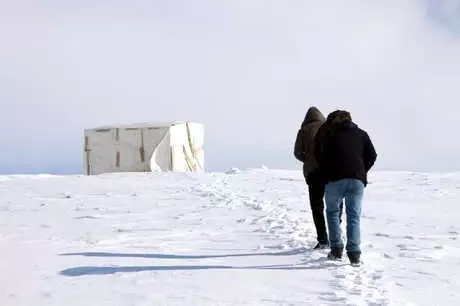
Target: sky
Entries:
(247, 69)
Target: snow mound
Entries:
(233, 171)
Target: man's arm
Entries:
(369, 154)
(299, 148)
(319, 144)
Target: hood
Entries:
(313, 115)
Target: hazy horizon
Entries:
(248, 70)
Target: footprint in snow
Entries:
(332, 297)
(382, 235)
(87, 217)
(363, 285)
(406, 247)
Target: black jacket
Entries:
(346, 152)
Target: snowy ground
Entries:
(241, 238)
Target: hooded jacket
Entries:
(347, 151)
(304, 147)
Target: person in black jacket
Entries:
(346, 155)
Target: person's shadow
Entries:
(104, 270)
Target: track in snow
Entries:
(364, 285)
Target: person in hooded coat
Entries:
(304, 151)
(346, 156)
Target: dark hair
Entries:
(339, 116)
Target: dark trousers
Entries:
(316, 187)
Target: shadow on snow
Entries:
(82, 271)
(107, 270)
(172, 256)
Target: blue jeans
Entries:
(352, 191)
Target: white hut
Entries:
(144, 147)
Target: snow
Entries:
(237, 238)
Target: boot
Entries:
(354, 257)
(335, 254)
(321, 246)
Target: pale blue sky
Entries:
(247, 69)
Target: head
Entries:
(313, 115)
(339, 116)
